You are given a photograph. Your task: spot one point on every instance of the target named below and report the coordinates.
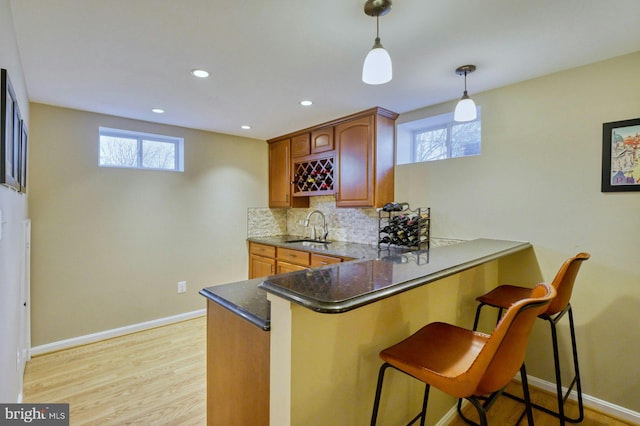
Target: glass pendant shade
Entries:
(466, 109)
(377, 67)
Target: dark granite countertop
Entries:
(349, 285)
(345, 286)
(244, 298)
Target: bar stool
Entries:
(501, 297)
(465, 363)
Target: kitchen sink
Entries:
(308, 240)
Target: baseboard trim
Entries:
(590, 402)
(451, 414)
(116, 332)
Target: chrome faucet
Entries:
(325, 232)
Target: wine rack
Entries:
(313, 177)
(401, 226)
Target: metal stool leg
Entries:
(477, 318)
(425, 399)
(376, 403)
(556, 363)
(525, 391)
(475, 321)
(576, 378)
(561, 396)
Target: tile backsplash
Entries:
(344, 224)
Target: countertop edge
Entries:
(356, 302)
(253, 319)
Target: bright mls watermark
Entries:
(34, 414)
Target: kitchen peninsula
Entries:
(324, 327)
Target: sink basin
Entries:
(308, 240)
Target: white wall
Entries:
(538, 180)
(14, 212)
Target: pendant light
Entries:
(466, 108)
(377, 67)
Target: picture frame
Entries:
(9, 134)
(22, 173)
(621, 156)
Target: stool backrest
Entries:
(506, 348)
(563, 282)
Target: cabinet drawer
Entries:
(293, 256)
(284, 267)
(321, 260)
(262, 250)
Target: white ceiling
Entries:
(124, 57)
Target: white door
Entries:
(24, 330)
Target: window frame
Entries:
(408, 142)
(141, 137)
(414, 142)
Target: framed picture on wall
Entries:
(621, 156)
(9, 134)
(22, 170)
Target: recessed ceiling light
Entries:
(158, 110)
(200, 73)
(245, 127)
(306, 103)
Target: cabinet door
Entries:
(322, 140)
(300, 145)
(279, 173)
(284, 267)
(261, 266)
(355, 153)
(280, 176)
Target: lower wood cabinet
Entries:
(237, 369)
(262, 260)
(261, 266)
(269, 260)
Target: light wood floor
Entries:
(158, 377)
(506, 411)
(154, 377)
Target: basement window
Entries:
(136, 150)
(438, 138)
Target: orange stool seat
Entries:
(466, 363)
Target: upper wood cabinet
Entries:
(280, 176)
(365, 158)
(322, 140)
(300, 145)
(363, 147)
